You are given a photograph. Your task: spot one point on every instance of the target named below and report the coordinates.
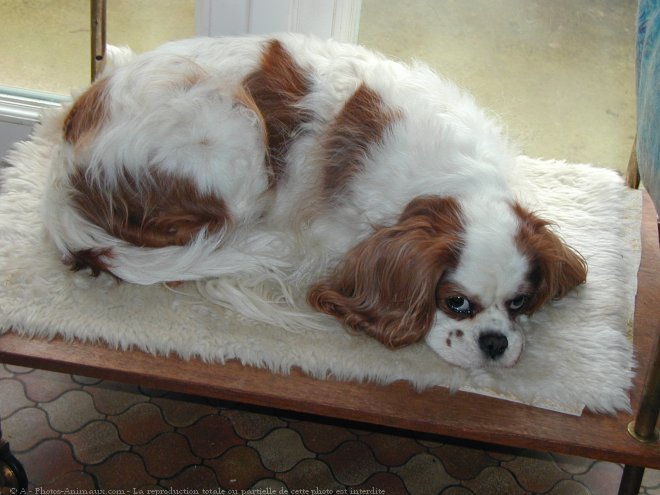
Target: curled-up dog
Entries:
(356, 188)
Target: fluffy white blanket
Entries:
(578, 352)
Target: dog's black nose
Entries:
(493, 344)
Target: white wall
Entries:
(338, 19)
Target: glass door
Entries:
(45, 50)
(560, 73)
(45, 44)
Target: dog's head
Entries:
(456, 273)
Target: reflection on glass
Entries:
(45, 44)
(560, 73)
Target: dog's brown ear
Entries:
(556, 267)
(386, 285)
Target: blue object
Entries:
(648, 96)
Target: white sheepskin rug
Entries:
(578, 353)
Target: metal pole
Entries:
(631, 481)
(644, 427)
(12, 474)
(98, 39)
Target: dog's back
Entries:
(270, 150)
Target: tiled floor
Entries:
(81, 433)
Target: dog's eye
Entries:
(459, 304)
(517, 302)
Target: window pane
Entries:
(45, 43)
(560, 73)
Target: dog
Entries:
(378, 191)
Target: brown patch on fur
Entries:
(154, 210)
(276, 89)
(360, 125)
(87, 114)
(89, 258)
(556, 267)
(386, 285)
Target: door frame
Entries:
(338, 19)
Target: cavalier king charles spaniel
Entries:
(375, 190)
